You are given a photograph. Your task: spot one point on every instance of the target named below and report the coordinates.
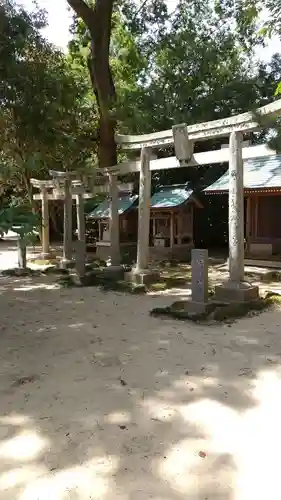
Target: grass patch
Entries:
(218, 312)
(105, 282)
(158, 287)
(123, 286)
(172, 277)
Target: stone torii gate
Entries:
(55, 190)
(65, 187)
(183, 138)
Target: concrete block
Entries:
(145, 277)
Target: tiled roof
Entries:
(259, 173)
(102, 211)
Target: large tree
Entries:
(97, 16)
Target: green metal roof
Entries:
(170, 197)
(102, 211)
(259, 173)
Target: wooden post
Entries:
(114, 221)
(67, 233)
(256, 215)
(45, 223)
(171, 230)
(144, 211)
(248, 223)
(80, 217)
(236, 208)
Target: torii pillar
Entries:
(142, 274)
(63, 180)
(114, 222)
(43, 186)
(236, 289)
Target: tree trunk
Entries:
(98, 21)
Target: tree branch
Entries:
(140, 9)
(82, 10)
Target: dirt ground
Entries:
(101, 401)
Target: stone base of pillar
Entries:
(231, 291)
(45, 256)
(194, 307)
(144, 277)
(67, 264)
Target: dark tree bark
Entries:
(98, 21)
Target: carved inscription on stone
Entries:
(199, 264)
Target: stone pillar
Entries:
(236, 208)
(45, 223)
(236, 289)
(67, 230)
(199, 286)
(199, 266)
(80, 217)
(114, 221)
(141, 274)
(144, 211)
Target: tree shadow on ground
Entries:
(99, 400)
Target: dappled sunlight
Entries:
(92, 476)
(76, 325)
(159, 410)
(33, 287)
(251, 439)
(118, 418)
(246, 340)
(21, 476)
(101, 400)
(25, 473)
(25, 446)
(190, 468)
(15, 419)
(219, 422)
(186, 386)
(170, 292)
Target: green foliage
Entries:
(126, 60)
(46, 119)
(197, 68)
(20, 220)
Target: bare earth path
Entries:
(100, 401)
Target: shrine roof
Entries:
(170, 196)
(102, 211)
(259, 174)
